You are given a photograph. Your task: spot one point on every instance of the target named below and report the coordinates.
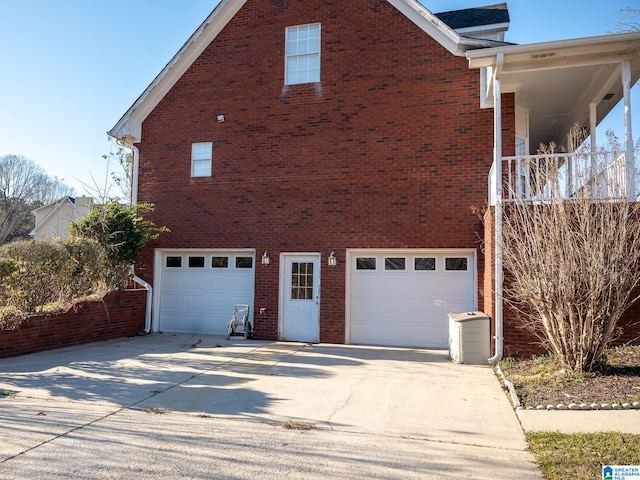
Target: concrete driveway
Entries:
(202, 407)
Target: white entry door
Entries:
(300, 283)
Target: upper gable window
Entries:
(201, 159)
(302, 63)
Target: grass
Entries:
(581, 456)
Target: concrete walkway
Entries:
(184, 406)
(580, 421)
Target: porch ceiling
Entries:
(557, 81)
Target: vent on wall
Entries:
(535, 56)
(608, 96)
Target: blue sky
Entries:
(71, 68)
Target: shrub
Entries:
(122, 232)
(39, 274)
(89, 271)
(10, 318)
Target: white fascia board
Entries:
(437, 29)
(129, 127)
(486, 57)
(496, 27)
(430, 24)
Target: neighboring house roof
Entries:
(129, 127)
(476, 17)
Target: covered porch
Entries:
(556, 86)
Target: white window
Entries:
(201, 159)
(302, 63)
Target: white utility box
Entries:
(469, 338)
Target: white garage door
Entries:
(403, 297)
(198, 290)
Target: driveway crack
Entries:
(345, 403)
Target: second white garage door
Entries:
(402, 298)
(197, 290)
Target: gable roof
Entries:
(48, 211)
(476, 17)
(129, 127)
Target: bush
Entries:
(89, 269)
(42, 274)
(10, 318)
(122, 232)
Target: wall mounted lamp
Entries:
(332, 261)
(265, 258)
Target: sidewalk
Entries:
(580, 421)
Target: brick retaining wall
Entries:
(119, 314)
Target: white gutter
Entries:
(134, 201)
(497, 149)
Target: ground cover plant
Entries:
(581, 456)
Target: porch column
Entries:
(628, 132)
(497, 154)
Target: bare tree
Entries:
(24, 186)
(118, 176)
(629, 20)
(572, 264)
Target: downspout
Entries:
(147, 287)
(134, 201)
(497, 152)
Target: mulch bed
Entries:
(541, 381)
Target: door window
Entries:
(302, 281)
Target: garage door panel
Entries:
(408, 307)
(173, 281)
(457, 286)
(368, 286)
(195, 282)
(201, 300)
(194, 303)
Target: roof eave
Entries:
(486, 57)
(129, 127)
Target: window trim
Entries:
(311, 53)
(197, 161)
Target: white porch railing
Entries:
(542, 178)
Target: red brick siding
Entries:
(389, 150)
(120, 314)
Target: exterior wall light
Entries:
(332, 261)
(265, 258)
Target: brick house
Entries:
(319, 161)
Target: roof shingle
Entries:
(475, 17)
